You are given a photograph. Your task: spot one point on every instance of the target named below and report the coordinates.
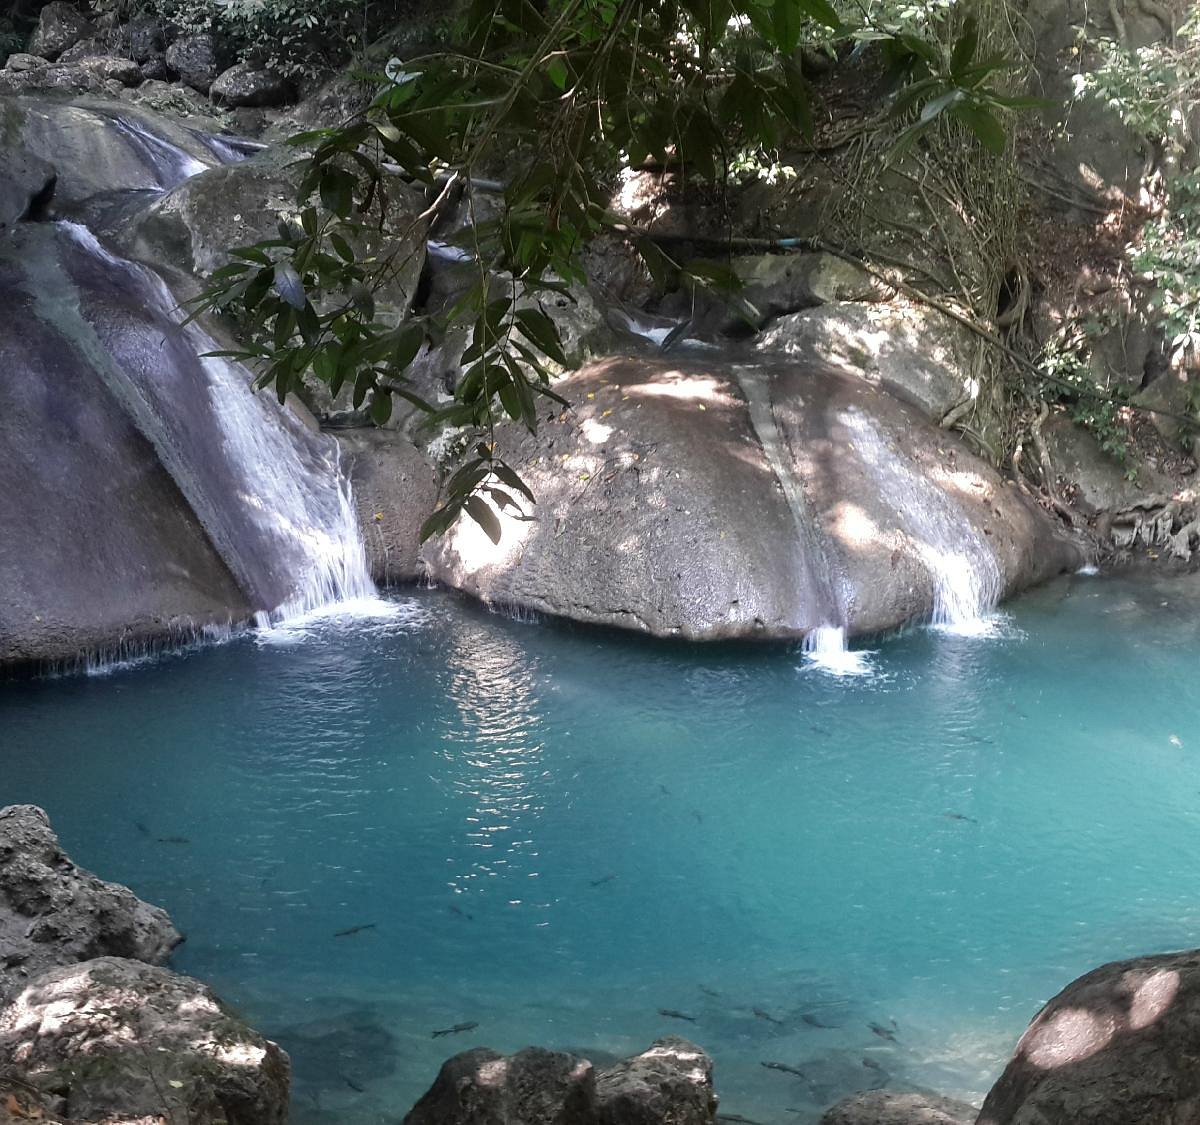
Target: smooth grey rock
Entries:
(21, 61)
(195, 58)
(1118, 1046)
(708, 501)
(99, 551)
(532, 1087)
(669, 1084)
(114, 1039)
(246, 85)
(25, 180)
(395, 491)
(53, 913)
(917, 354)
(60, 25)
(887, 1107)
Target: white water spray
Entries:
(825, 648)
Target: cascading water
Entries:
(967, 582)
(170, 165)
(269, 492)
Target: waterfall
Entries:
(825, 645)
(269, 491)
(967, 582)
(170, 165)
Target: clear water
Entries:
(554, 833)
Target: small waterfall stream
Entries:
(967, 582)
(269, 492)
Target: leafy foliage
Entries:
(557, 98)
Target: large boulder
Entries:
(1118, 1046)
(25, 180)
(888, 1107)
(709, 501)
(532, 1087)
(117, 1040)
(60, 25)
(668, 1084)
(196, 59)
(246, 85)
(53, 913)
(395, 491)
(914, 353)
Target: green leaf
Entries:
(540, 330)
(984, 124)
(482, 514)
(786, 24)
(381, 406)
(964, 49)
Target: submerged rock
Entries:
(53, 913)
(886, 1107)
(669, 1084)
(711, 500)
(114, 1039)
(1118, 1046)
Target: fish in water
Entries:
(671, 1014)
(698, 815)
(461, 913)
(785, 1068)
(664, 790)
(602, 880)
(759, 1014)
(141, 828)
(355, 929)
(812, 1021)
(709, 992)
(871, 1064)
(883, 1032)
(352, 1084)
(173, 840)
(737, 1118)
(457, 1029)
(961, 816)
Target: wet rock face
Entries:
(709, 500)
(114, 1039)
(60, 25)
(1118, 1046)
(53, 913)
(669, 1084)
(884, 1107)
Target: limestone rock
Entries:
(21, 61)
(144, 39)
(1115, 1047)
(886, 1107)
(246, 85)
(669, 1084)
(395, 491)
(53, 913)
(60, 25)
(713, 500)
(195, 59)
(113, 1038)
(917, 354)
(532, 1087)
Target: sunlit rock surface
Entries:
(1118, 1046)
(709, 500)
(885, 1107)
(53, 913)
(114, 1039)
(668, 1084)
